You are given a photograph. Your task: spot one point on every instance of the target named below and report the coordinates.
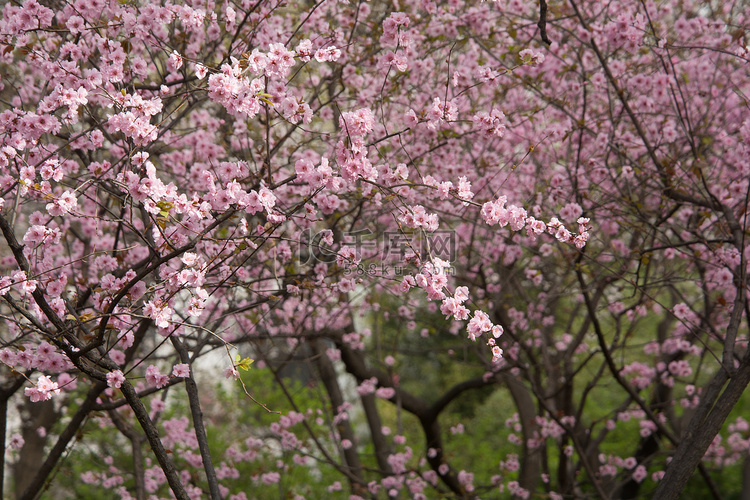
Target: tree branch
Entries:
(542, 24)
(200, 429)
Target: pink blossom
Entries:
(391, 26)
(65, 204)
(385, 392)
(181, 370)
(640, 474)
(492, 123)
(155, 378)
(531, 57)
(479, 324)
(681, 310)
(359, 122)
(327, 54)
(16, 442)
(175, 61)
(271, 477)
(497, 354)
(43, 390)
(159, 312)
(115, 379)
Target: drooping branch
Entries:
(721, 375)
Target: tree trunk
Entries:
(33, 416)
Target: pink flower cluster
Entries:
(41, 357)
(295, 110)
(37, 234)
(135, 117)
(531, 57)
(392, 28)
(433, 279)
(154, 377)
(240, 96)
(353, 160)
(29, 16)
(65, 97)
(359, 122)
(479, 324)
(492, 123)
(316, 177)
(440, 112)
(495, 212)
(347, 258)
(327, 54)
(626, 31)
(43, 390)
(417, 217)
(158, 311)
(115, 379)
(63, 205)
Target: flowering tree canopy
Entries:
(257, 249)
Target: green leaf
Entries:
(244, 364)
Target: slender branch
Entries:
(136, 440)
(165, 462)
(200, 429)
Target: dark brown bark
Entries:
(136, 440)
(700, 433)
(200, 429)
(745, 495)
(165, 462)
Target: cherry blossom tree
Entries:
(366, 249)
